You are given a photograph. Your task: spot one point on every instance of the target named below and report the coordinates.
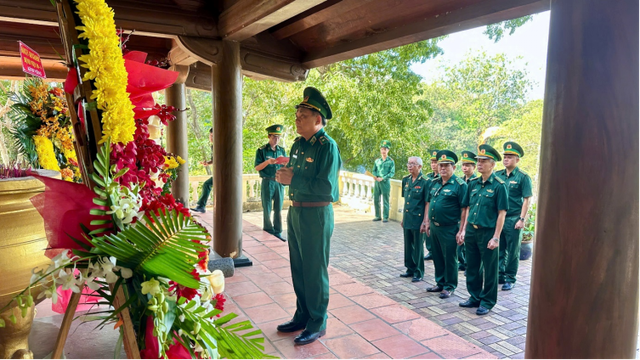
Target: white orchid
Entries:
(151, 286)
(126, 204)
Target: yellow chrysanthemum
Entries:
(180, 160)
(106, 67)
(46, 156)
(170, 162)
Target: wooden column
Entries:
(227, 154)
(584, 287)
(177, 141)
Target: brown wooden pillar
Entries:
(177, 141)
(227, 154)
(584, 287)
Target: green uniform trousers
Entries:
(413, 253)
(445, 255)
(382, 188)
(482, 266)
(272, 193)
(510, 240)
(427, 242)
(309, 234)
(461, 256)
(206, 191)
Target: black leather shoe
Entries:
(307, 337)
(469, 304)
(290, 326)
(385, 220)
(435, 288)
(501, 281)
(428, 257)
(445, 294)
(279, 236)
(199, 209)
(508, 286)
(376, 219)
(416, 279)
(482, 311)
(406, 274)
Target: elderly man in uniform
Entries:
(468, 169)
(447, 198)
(487, 208)
(519, 187)
(415, 189)
(428, 243)
(312, 176)
(272, 191)
(383, 169)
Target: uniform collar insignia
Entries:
(312, 140)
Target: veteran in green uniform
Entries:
(383, 169)
(312, 176)
(415, 190)
(430, 176)
(519, 187)
(469, 170)
(487, 208)
(447, 198)
(272, 191)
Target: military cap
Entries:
(512, 148)
(313, 100)
(469, 158)
(385, 144)
(486, 151)
(275, 129)
(434, 154)
(447, 156)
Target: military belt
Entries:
(310, 204)
(477, 226)
(438, 224)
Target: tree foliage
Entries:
(496, 31)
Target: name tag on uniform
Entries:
(417, 187)
(513, 182)
(446, 190)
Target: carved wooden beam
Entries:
(265, 66)
(207, 51)
(478, 14)
(11, 68)
(246, 18)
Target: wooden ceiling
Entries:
(280, 39)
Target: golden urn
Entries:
(22, 245)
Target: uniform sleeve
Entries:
(464, 195)
(259, 157)
(502, 197)
(375, 171)
(526, 187)
(391, 171)
(467, 197)
(402, 188)
(323, 184)
(426, 193)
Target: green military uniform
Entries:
(430, 176)
(314, 186)
(519, 187)
(384, 169)
(272, 192)
(486, 199)
(467, 158)
(446, 202)
(415, 195)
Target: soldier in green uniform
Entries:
(312, 176)
(487, 208)
(272, 191)
(468, 169)
(430, 176)
(447, 198)
(207, 185)
(383, 169)
(415, 189)
(519, 187)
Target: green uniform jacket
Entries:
(316, 164)
(385, 169)
(485, 200)
(473, 176)
(415, 194)
(447, 201)
(263, 154)
(519, 187)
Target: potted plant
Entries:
(528, 234)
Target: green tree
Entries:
(496, 31)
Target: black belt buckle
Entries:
(475, 226)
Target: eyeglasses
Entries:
(412, 164)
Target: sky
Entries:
(529, 41)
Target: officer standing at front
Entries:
(272, 191)
(383, 169)
(415, 189)
(519, 186)
(447, 198)
(312, 176)
(468, 169)
(488, 205)
(428, 243)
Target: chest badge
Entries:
(309, 160)
(513, 182)
(417, 187)
(490, 191)
(446, 190)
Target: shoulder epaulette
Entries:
(323, 140)
(524, 172)
(499, 180)
(263, 147)
(298, 138)
(389, 157)
(476, 178)
(406, 176)
(460, 181)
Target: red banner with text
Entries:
(31, 63)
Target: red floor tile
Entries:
(264, 278)
(257, 249)
(248, 301)
(291, 351)
(277, 288)
(379, 355)
(236, 278)
(421, 329)
(373, 300)
(374, 329)
(265, 313)
(395, 313)
(325, 356)
(353, 289)
(451, 346)
(429, 355)
(350, 347)
(400, 347)
(241, 288)
(339, 278)
(267, 256)
(337, 301)
(336, 328)
(285, 300)
(352, 314)
(276, 263)
(271, 332)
